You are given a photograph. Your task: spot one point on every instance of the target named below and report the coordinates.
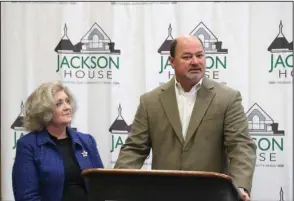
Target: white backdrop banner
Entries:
(111, 53)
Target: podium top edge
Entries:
(87, 172)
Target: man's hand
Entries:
(245, 195)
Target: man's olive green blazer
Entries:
(217, 138)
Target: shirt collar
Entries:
(193, 90)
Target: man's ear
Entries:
(171, 61)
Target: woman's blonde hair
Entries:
(40, 106)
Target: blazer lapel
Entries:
(80, 150)
(204, 97)
(169, 103)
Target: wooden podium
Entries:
(159, 185)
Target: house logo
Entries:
(119, 131)
(95, 41)
(216, 55)
(281, 194)
(18, 126)
(165, 46)
(267, 136)
(93, 59)
(119, 126)
(280, 43)
(281, 58)
(210, 42)
(164, 50)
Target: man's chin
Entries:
(195, 77)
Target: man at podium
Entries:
(192, 122)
